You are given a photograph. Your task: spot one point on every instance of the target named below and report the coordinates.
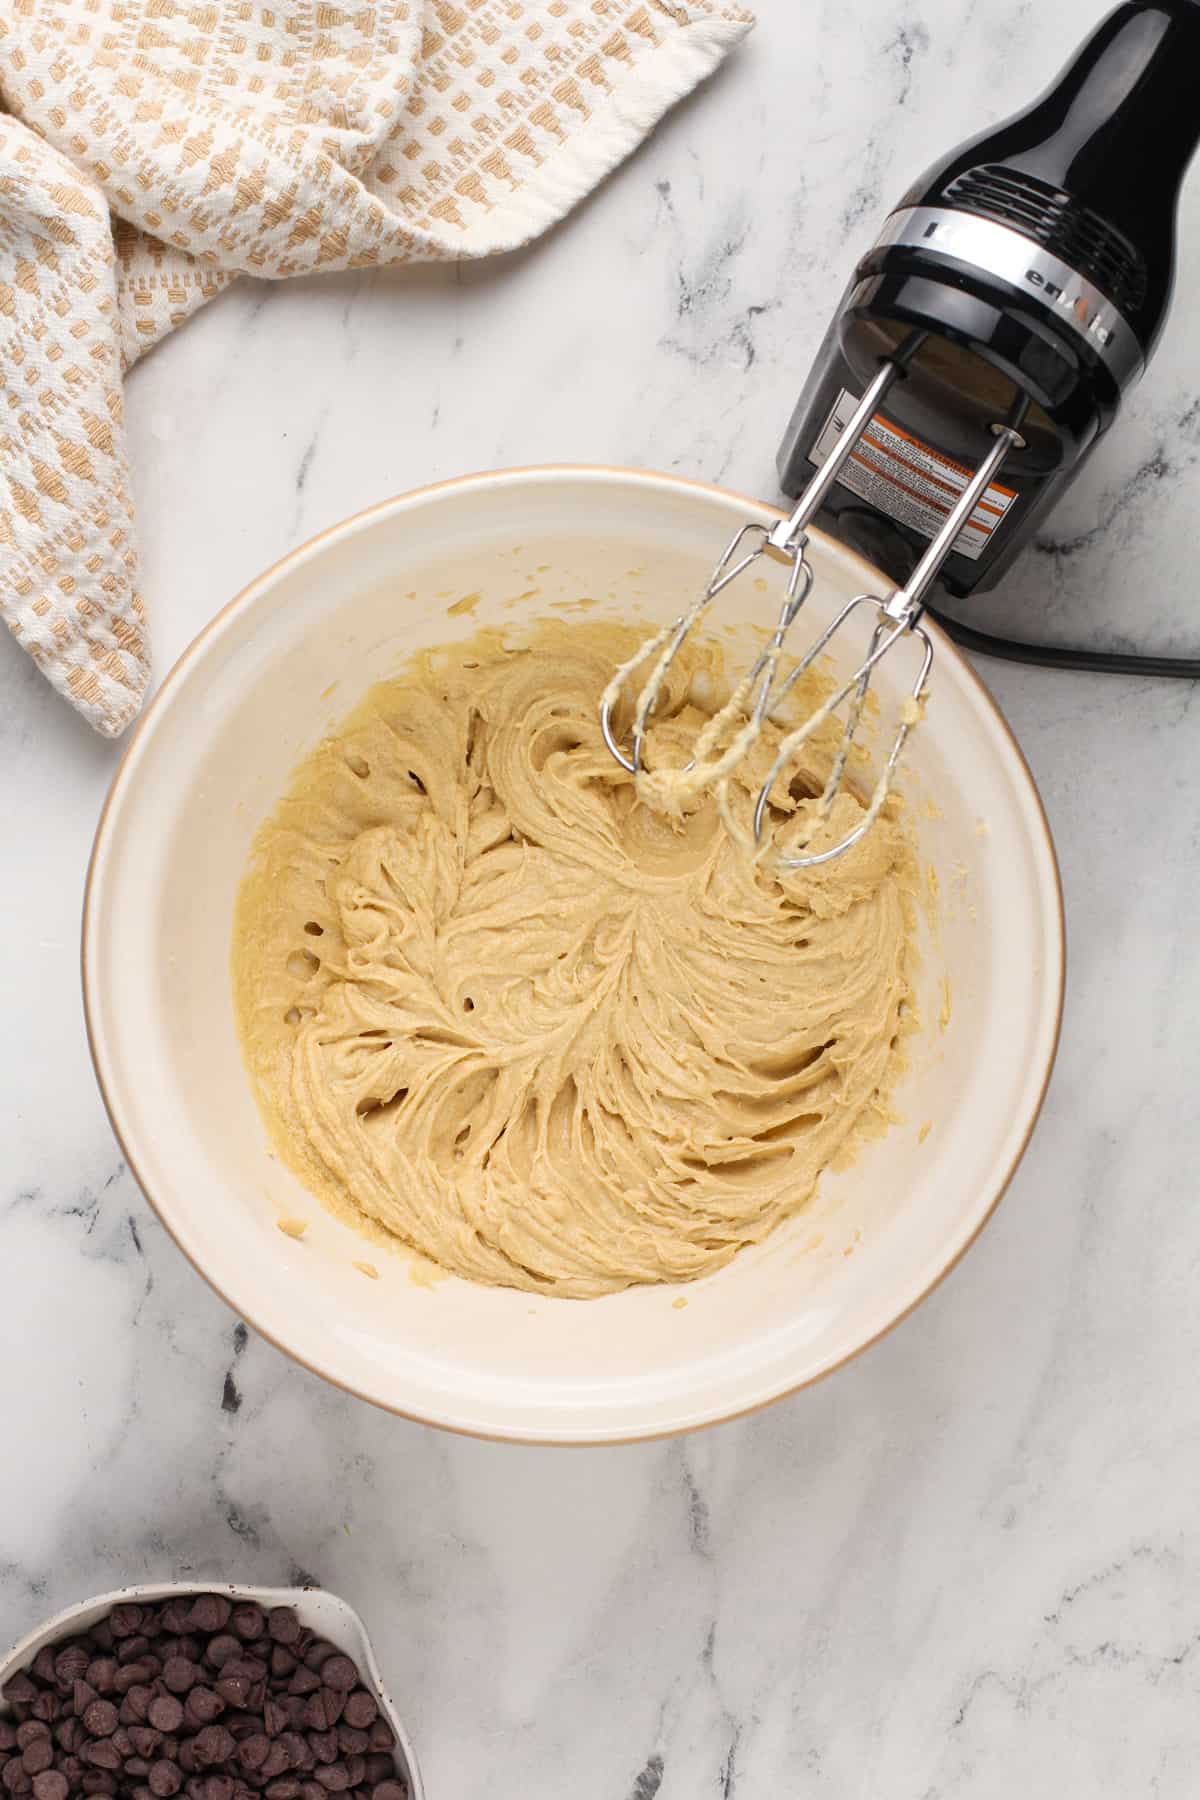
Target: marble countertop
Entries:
(966, 1566)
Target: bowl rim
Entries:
(241, 602)
(61, 1625)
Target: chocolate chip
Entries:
(212, 1745)
(382, 1735)
(318, 1653)
(131, 1675)
(82, 1695)
(15, 1777)
(125, 1621)
(248, 1621)
(100, 1720)
(275, 1717)
(37, 1756)
(8, 1736)
(283, 1625)
(19, 1691)
(145, 1739)
(339, 1672)
(43, 1664)
(304, 1681)
(202, 1706)
(70, 1664)
(132, 1649)
(101, 1754)
(333, 1777)
(283, 1663)
(253, 1752)
(389, 1790)
(284, 1787)
(221, 1648)
(352, 1742)
(164, 1779)
(361, 1709)
(135, 1706)
(234, 1689)
(324, 1745)
(174, 1616)
(69, 1734)
(296, 1749)
(209, 1613)
(100, 1673)
(51, 1784)
(278, 1762)
(165, 1713)
(99, 1781)
(180, 1675)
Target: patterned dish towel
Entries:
(152, 150)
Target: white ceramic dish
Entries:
(323, 1613)
(261, 684)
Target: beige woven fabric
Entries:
(154, 149)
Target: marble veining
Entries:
(969, 1564)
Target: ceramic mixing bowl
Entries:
(324, 1613)
(277, 669)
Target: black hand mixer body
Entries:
(979, 354)
(1023, 280)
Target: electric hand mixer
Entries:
(980, 352)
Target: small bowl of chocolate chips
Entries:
(214, 1693)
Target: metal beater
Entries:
(762, 691)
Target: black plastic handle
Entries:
(1115, 132)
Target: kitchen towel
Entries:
(153, 150)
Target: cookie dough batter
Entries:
(497, 1005)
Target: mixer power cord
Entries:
(1052, 656)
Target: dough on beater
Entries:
(497, 1007)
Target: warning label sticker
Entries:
(910, 482)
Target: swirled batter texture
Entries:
(547, 1036)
